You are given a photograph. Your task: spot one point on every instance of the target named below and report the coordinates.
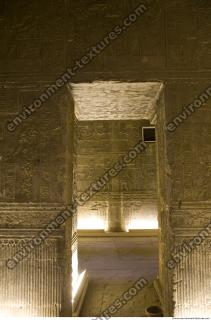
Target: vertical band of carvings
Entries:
(192, 284)
(33, 287)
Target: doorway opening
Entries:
(118, 226)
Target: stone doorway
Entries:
(110, 120)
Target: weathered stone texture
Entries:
(166, 235)
(112, 100)
(190, 145)
(192, 280)
(27, 171)
(169, 42)
(99, 145)
(36, 184)
(184, 199)
(39, 39)
(33, 288)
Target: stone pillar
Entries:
(116, 218)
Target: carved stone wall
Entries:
(33, 37)
(33, 288)
(189, 154)
(184, 197)
(169, 42)
(191, 280)
(99, 145)
(27, 174)
(38, 40)
(166, 239)
(35, 186)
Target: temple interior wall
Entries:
(169, 42)
(99, 145)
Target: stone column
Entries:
(116, 218)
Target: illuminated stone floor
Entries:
(114, 264)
